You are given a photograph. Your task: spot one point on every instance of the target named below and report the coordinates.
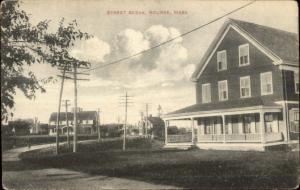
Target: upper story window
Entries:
(222, 60)
(245, 87)
(223, 90)
(296, 80)
(266, 84)
(244, 55)
(206, 93)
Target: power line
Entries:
(172, 39)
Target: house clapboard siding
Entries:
(259, 63)
(246, 95)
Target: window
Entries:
(296, 116)
(235, 125)
(247, 124)
(296, 79)
(208, 126)
(223, 90)
(266, 83)
(206, 93)
(245, 87)
(222, 60)
(269, 122)
(244, 55)
(295, 121)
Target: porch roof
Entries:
(222, 107)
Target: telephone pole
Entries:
(58, 112)
(125, 102)
(98, 126)
(141, 131)
(146, 121)
(75, 108)
(75, 79)
(67, 123)
(159, 111)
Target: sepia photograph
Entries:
(149, 94)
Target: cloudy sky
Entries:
(157, 77)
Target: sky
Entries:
(159, 77)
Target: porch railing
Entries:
(211, 138)
(179, 138)
(243, 137)
(247, 137)
(273, 137)
(250, 137)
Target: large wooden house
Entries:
(247, 91)
(87, 122)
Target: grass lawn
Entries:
(145, 161)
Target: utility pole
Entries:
(98, 125)
(58, 112)
(146, 121)
(67, 123)
(141, 131)
(125, 121)
(159, 110)
(68, 70)
(126, 103)
(75, 108)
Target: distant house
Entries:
(43, 128)
(111, 130)
(247, 91)
(87, 122)
(21, 126)
(153, 126)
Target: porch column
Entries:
(193, 135)
(166, 131)
(223, 128)
(262, 125)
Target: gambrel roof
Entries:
(281, 46)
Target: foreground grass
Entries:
(188, 169)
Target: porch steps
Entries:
(180, 146)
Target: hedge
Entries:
(21, 141)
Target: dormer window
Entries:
(244, 55)
(222, 60)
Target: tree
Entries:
(25, 44)
(21, 127)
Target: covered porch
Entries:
(254, 127)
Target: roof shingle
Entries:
(282, 43)
(249, 102)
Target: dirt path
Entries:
(22, 176)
